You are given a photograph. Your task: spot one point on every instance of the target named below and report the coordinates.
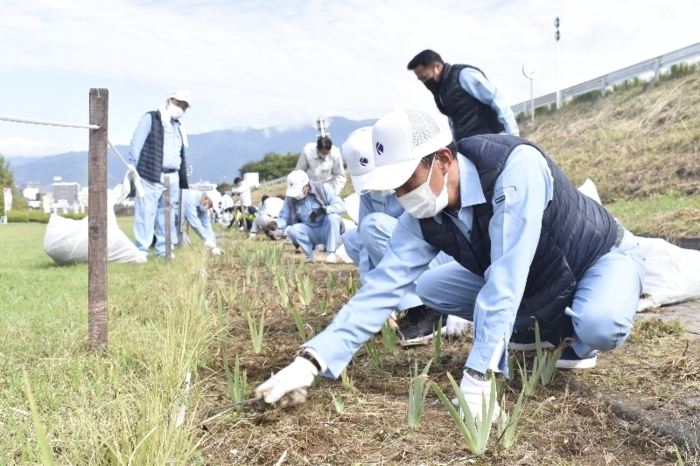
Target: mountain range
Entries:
(215, 156)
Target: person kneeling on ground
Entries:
(196, 205)
(312, 211)
(268, 215)
(366, 245)
(527, 246)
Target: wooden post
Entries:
(168, 233)
(97, 221)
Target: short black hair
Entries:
(265, 197)
(324, 143)
(425, 58)
(237, 180)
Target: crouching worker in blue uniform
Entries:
(196, 205)
(527, 245)
(158, 152)
(366, 244)
(312, 212)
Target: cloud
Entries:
(23, 147)
(264, 63)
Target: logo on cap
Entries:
(363, 161)
(380, 148)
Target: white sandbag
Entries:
(672, 274)
(588, 188)
(66, 240)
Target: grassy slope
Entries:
(97, 409)
(640, 147)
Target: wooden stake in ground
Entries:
(97, 220)
(168, 233)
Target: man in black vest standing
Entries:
(462, 93)
(527, 245)
(158, 151)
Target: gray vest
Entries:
(576, 232)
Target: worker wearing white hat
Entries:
(366, 244)
(312, 211)
(527, 244)
(196, 206)
(157, 152)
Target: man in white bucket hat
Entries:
(527, 246)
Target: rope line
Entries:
(34, 121)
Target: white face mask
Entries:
(300, 196)
(387, 192)
(421, 202)
(175, 111)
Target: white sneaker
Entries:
(330, 258)
(311, 257)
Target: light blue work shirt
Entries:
(475, 83)
(197, 215)
(172, 142)
(371, 203)
(307, 205)
(514, 230)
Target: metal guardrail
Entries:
(601, 83)
(271, 182)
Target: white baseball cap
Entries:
(400, 140)
(182, 96)
(215, 197)
(359, 156)
(296, 182)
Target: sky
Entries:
(283, 63)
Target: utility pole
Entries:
(556, 60)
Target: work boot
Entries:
(421, 322)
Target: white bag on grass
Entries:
(66, 240)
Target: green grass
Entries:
(99, 409)
(669, 215)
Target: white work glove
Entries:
(456, 326)
(130, 168)
(473, 391)
(216, 251)
(210, 244)
(289, 385)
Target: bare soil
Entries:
(571, 428)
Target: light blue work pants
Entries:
(376, 230)
(604, 305)
(308, 237)
(149, 214)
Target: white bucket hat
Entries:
(296, 182)
(400, 140)
(359, 156)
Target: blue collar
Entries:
(470, 190)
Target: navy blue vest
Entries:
(150, 164)
(576, 232)
(469, 116)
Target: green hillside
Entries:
(639, 144)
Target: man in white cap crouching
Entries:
(157, 152)
(196, 205)
(366, 245)
(527, 246)
(312, 211)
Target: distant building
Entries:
(64, 191)
(203, 186)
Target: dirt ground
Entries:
(571, 428)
